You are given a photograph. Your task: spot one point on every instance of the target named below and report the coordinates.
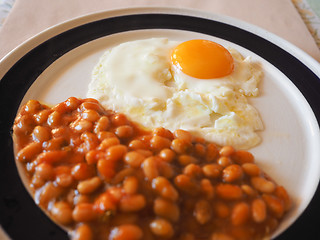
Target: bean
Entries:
(72, 103)
(226, 151)
(121, 175)
(89, 186)
(130, 185)
(132, 203)
(32, 107)
(54, 144)
(144, 152)
(263, 185)
(90, 115)
(69, 105)
(192, 170)
(202, 211)
(207, 188)
(105, 134)
(83, 232)
(166, 169)
(116, 193)
(199, 140)
(150, 168)
(282, 194)
(164, 188)
(81, 125)
(134, 159)
(119, 119)
(25, 125)
(52, 157)
(64, 180)
(186, 184)
(248, 190)
(251, 169)
(167, 154)
(181, 146)
(145, 139)
(42, 116)
(259, 210)
(212, 152)
(115, 153)
(54, 119)
(82, 171)
(182, 134)
(37, 182)
(274, 204)
(91, 106)
(62, 212)
(241, 157)
(125, 131)
(29, 152)
(166, 209)
(90, 139)
(49, 193)
(162, 132)
(240, 214)
(81, 199)
(212, 170)
(60, 132)
(102, 124)
(104, 202)
(62, 169)
(45, 171)
(162, 228)
(126, 232)
(186, 159)
(84, 212)
(137, 144)
(228, 191)
(200, 150)
(224, 161)
(158, 143)
(93, 156)
(108, 142)
(232, 173)
(106, 168)
(41, 134)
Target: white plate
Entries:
(290, 150)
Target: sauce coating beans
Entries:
(103, 177)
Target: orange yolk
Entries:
(202, 59)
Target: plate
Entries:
(57, 64)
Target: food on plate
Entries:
(103, 177)
(196, 85)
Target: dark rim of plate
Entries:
(19, 216)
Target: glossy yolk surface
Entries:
(202, 59)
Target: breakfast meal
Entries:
(208, 99)
(104, 177)
(157, 150)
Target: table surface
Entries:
(309, 11)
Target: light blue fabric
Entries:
(315, 5)
(5, 7)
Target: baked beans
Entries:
(103, 177)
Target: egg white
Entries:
(138, 79)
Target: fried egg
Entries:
(197, 85)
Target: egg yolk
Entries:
(202, 59)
